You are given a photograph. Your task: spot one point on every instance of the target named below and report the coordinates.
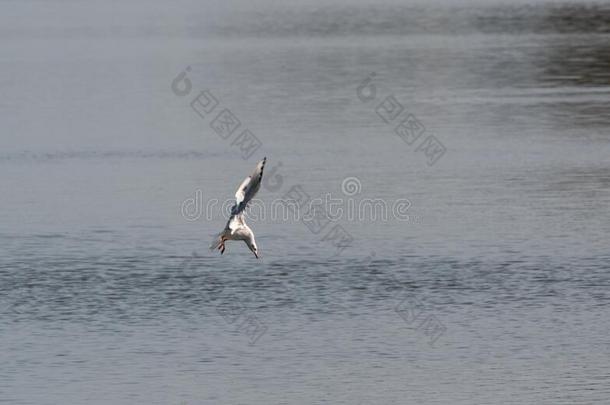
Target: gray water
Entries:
(494, 290)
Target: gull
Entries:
(236, 228)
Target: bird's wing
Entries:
(240, 194)
(248, 188)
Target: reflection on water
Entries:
(107, 295)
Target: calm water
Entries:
(494, 291)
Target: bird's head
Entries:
(253, 248)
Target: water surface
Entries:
(109, 295)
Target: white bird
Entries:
(236, 228)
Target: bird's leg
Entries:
(222, 245)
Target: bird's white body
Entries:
(236, 228)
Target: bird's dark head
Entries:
(253, 248)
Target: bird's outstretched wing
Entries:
(248, 189)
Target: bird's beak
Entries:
(255, 254)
